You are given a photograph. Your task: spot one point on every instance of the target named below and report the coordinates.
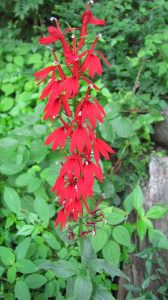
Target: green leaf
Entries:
(82, 288)
(112, 110)
(107, 131)
(8, 88)
(123, 127)
(23, 179)
(42, 209)
(34, 184)
(101, 293)
(12, 200)
(158, 239)
(11, 274)
(121, 236)
(99, 240)
(26, 230)
(115, 218)
(1, 271)
(38, 151)
(51, 240)
(134, 200)
(100, 265)
(22, 248)
(6, 104)
(157, 212)
(62, 268)
(141, 229)
(87, 252)
(19, 61)
(22, 291)
(7, 256)
(111, 252)
(26, 266)
(35, 281)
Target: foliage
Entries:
(28, 242)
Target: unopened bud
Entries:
(53, 19)
(50, 48)
(93, 233)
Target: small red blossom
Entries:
(58, 137)
(100, 147)
(79, 139)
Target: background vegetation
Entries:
(37, 261)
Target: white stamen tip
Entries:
(76, 58)
(103, 196)
(91, 85)
(49, 80)
(86, 163)
(55, 63)
(80, 113)
(91, 1)
(93, 233)
(99, 35)
(76, 188)
(72, 36)
(50, 48)
(53, 19)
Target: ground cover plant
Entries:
(36, 258)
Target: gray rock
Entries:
(157, 188)
(161, 130)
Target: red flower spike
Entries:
(75, 182)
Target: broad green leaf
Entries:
(111, 252)
(35, 281)
(123, 127)
(100, 265)
(107, 131)
(62, 268)
(22, 248)
(1, 271)
(157, 212)
(115, 218)
(141, 229)
(82, 288)
(42, 209)
(101, 293)
(6, 104)
(8, 88)
(12, 200)
(34, 184)
(38, 151)
(87, 252)
(134, 199)
(11, 274)
(51, 240)
(7, 256)
(99, 240)
(22, 291)
(23, 179)
(26, 230)
(26, 266)
(121, 236)
(112, 110)
(19, 60)
(158, 239)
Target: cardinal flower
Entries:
(90, 170)
(42, 74)
(80, 139)
(100, 147)
(58, 137)
(88, 18)
(72, 166)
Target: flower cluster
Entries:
(79, 117)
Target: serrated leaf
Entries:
(99, 240)
(35, 281)
(82, 288)
(12, 200)
(111, 252)
(22, 291)
(121, 236)
(42, 209)
(26, 266)
(7, 256)
(157, 212)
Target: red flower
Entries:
(88, 18)
(53, 107)
(100, 147)
(58, 137)
(42, 74)
(61, 218)
(90, 169)
(79, 139)
(73, 166)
